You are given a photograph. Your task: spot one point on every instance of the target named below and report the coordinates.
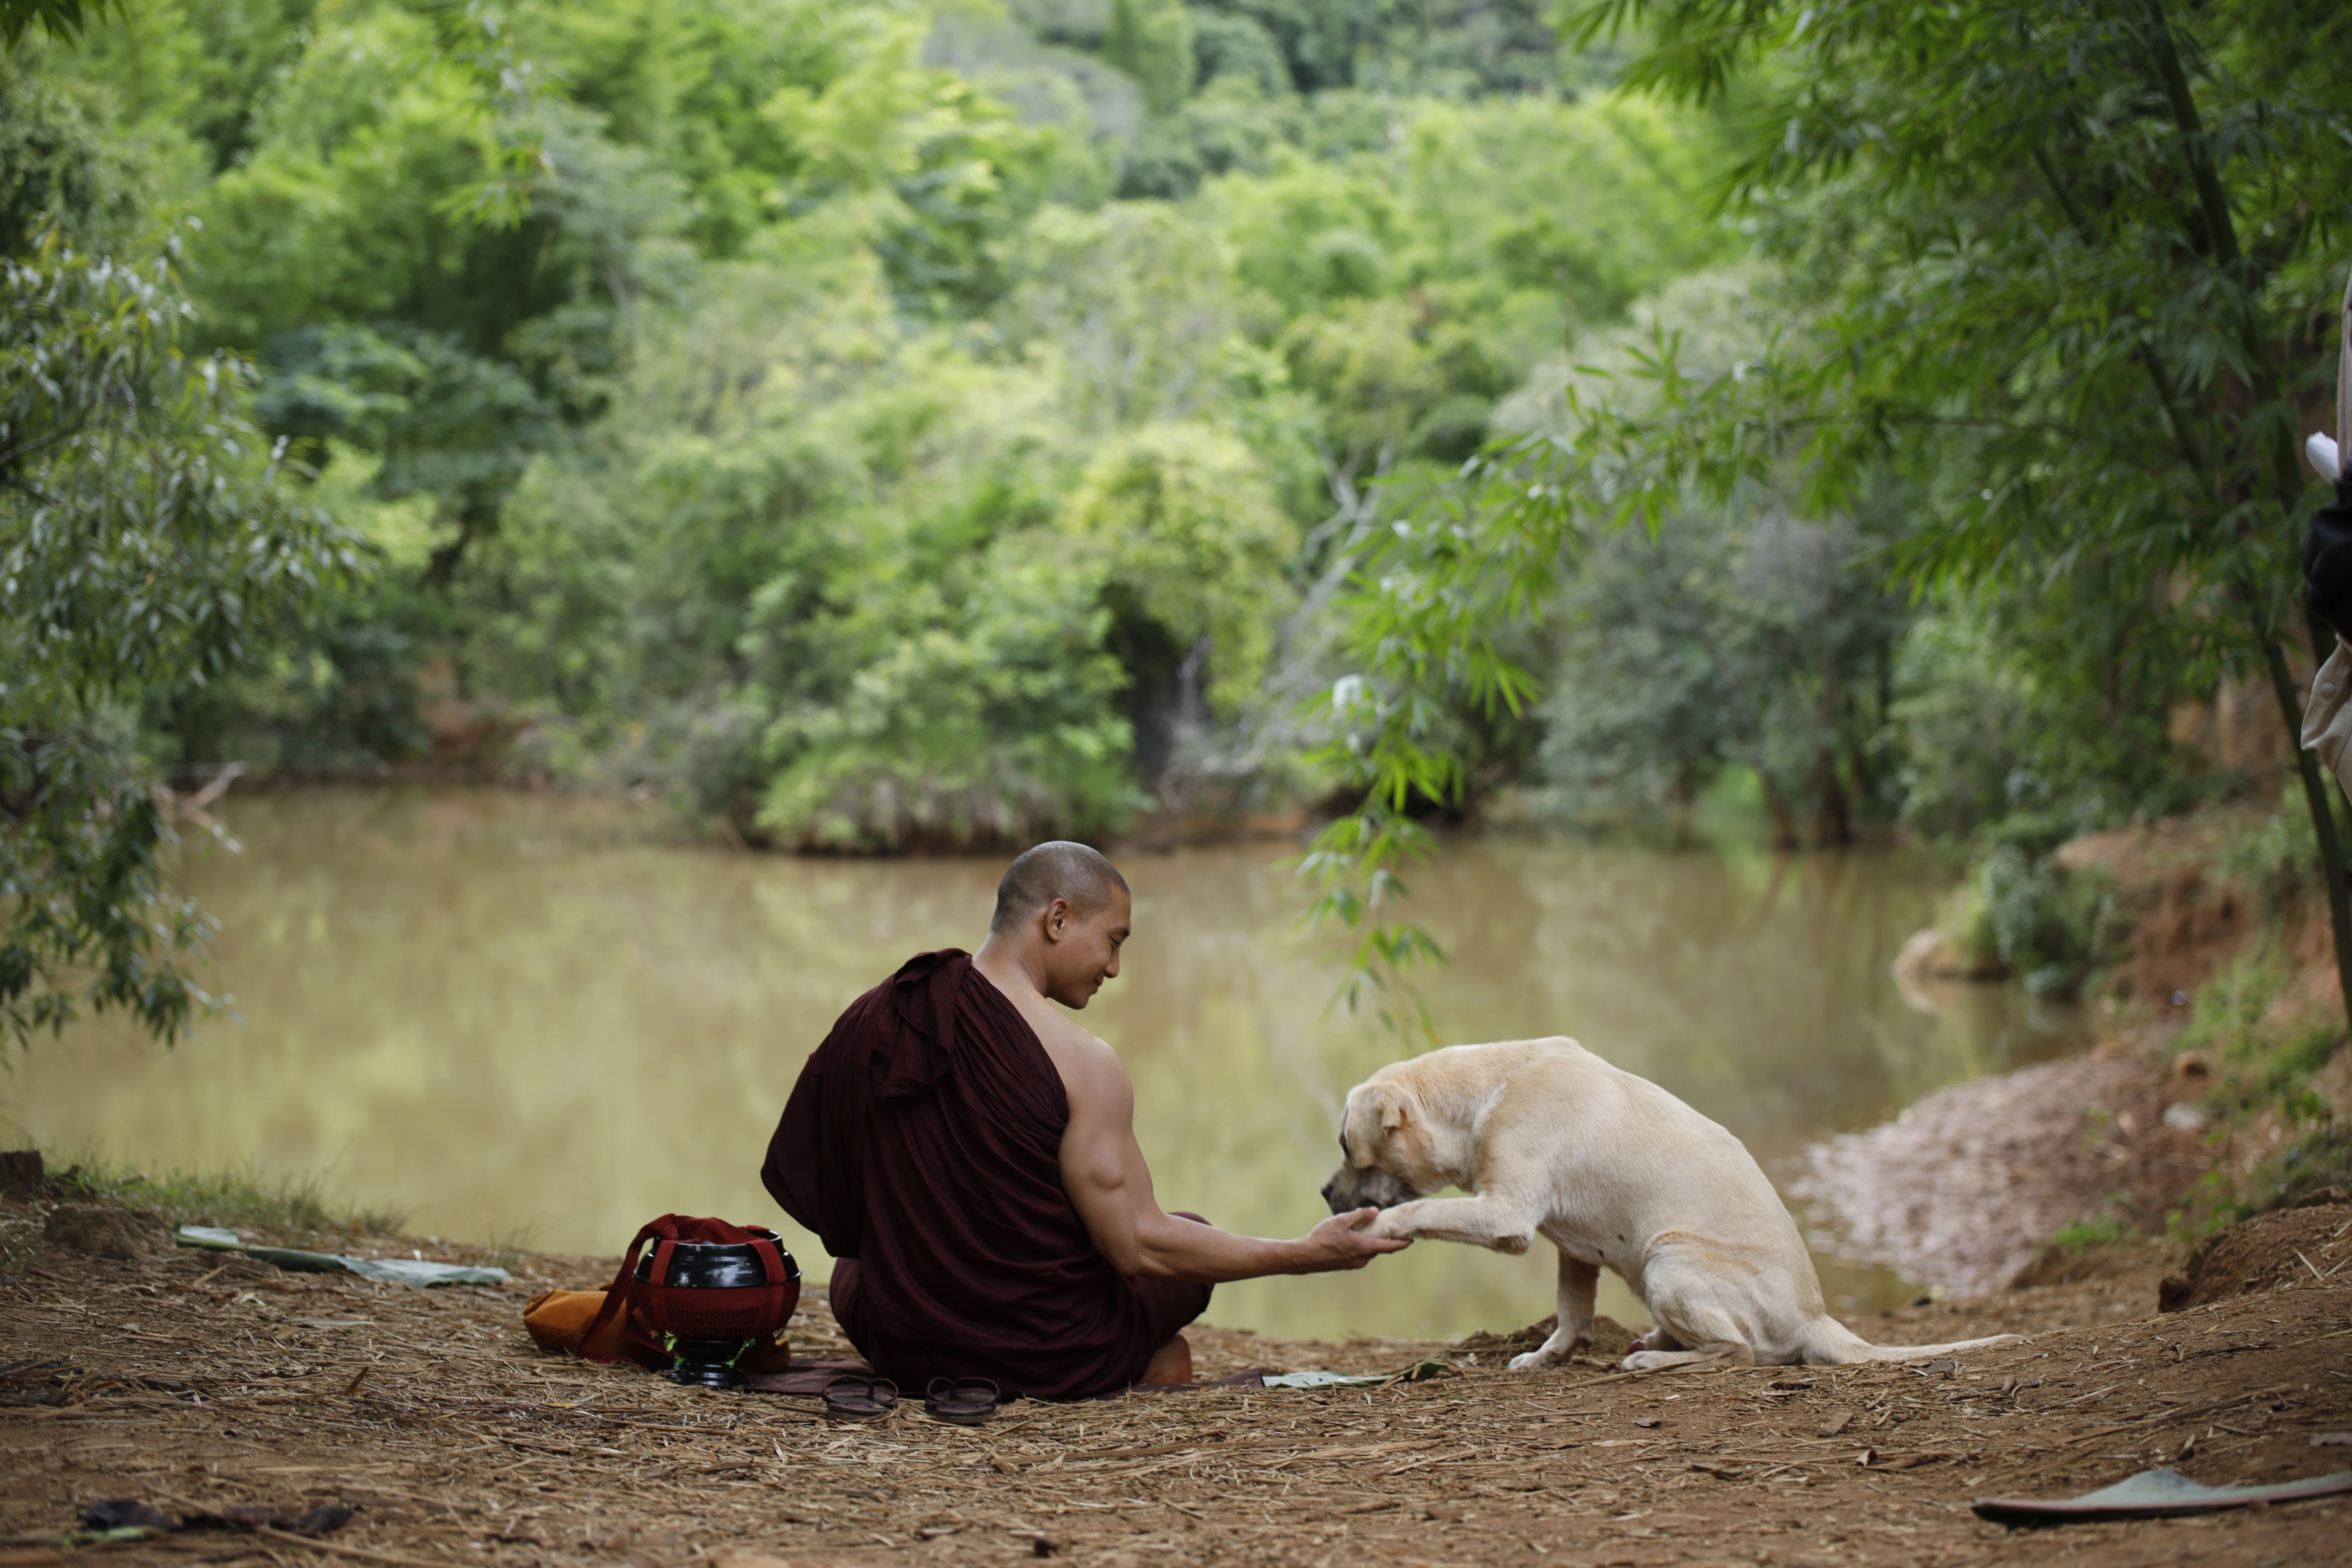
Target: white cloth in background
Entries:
(2327, 716)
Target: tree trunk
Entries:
(2323, 815)
(2213, 208)
(1784, 821)
(441, 566)
(1832, 817)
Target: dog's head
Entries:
(1382, 1163)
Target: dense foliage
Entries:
(874, 426)
(881, 429)
(146, 543)
(2059, 279)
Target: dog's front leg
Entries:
(1577, 1283)
(1485, 1219)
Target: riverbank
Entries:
(2006, 1178)
(191, 1383)
(2218, 1087)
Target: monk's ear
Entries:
(1056, 917)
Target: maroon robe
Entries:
(923, 1145)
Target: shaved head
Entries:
(1058, 869)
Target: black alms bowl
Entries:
(715, 1305)
(719, 1265)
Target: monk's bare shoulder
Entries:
(1089, 1068)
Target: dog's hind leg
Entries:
(1723, 1353)
(1697, 1313)
(1577, 1283)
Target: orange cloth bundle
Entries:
(557, 1319)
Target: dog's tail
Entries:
(1831, 1343)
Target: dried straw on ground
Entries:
(195, 1383)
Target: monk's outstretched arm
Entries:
(1103, 1169)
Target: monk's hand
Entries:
(1342, 1242)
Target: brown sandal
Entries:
(858, 1397)
(962, 1401)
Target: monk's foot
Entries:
(1172, 1363)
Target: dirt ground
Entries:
(194, 1383)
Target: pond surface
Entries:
(528, 1020)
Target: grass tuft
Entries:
(243, 1196)
(2270, 1049)
(512, 1248)
(2086, 1235)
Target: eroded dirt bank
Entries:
(191, 1383)
(1965, 1188)
(2162, 1124)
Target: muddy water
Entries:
(528, 1020)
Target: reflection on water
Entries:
(521, 1018)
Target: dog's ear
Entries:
(1360, 1127)
(1374, 1111)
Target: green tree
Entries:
(1151, 40)
(57, 170)
(1763, 642)
(725, 387)
(1181, 520)
(2052, 700)
(990, 724)
(58, 18)
(2068, 267)
(148, 546)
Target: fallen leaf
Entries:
(2331, 1439)
(1443, 1512)
(1835, 1422)
(1645, 1421)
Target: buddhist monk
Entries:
(967, 1154)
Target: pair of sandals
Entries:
(960, 1401)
